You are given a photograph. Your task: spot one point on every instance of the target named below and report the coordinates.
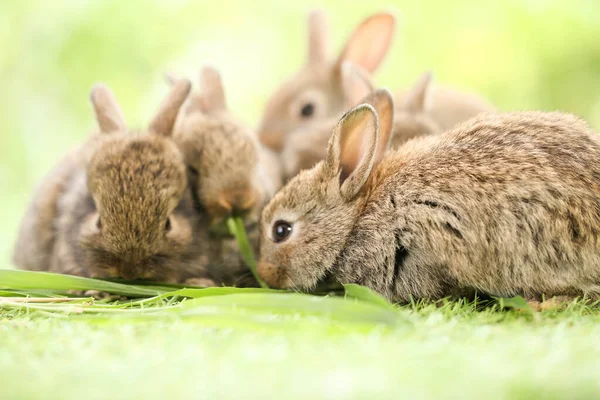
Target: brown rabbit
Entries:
(317, 91)
(303, 149)
(503, 204)
(127, 211)
(230, 172)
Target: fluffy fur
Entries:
(229, 171)
(123, 208)
(327, 86)
(503, 204)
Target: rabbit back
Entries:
(504, 204)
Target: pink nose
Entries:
(272, 139)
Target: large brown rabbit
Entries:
(318, 91)
(503, 204)
(124, 208)
(230, 172)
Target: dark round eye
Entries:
(193, 171)
(168, 225)
(99, 223)
(281, 231)
(307, 110)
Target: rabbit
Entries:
(127, 211)
(317, 91)
(230, 172)
(503, 204)
(305, 147)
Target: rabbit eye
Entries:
(193, 171)
(168, 225)
(307, 110)
(99, 223)
(281, 231)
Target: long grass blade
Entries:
(236, 227)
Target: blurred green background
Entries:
(521, 54)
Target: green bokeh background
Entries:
(521, 54)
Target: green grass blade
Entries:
(236, 227)
(517, 303)
(35, 280)
(362, 293)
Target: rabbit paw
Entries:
(553, 303)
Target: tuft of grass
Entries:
(236, 228)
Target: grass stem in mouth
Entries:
(236, 227)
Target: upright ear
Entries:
(356, 83)
(352, 149)
(164, 120)
(370, 41)
(318, 37)
(417, 98)
(383, 103)
(108, 113)
(212, 94)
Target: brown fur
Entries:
(326, 85)
(126, 210)
(229, 171)
(503, 204)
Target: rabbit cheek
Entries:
(273, 275)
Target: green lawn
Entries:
(277, 345)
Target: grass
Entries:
(261, 343)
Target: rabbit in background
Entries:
(307, 146)
(119, 205)
(229, 171)
(504, 204)
(320, 92)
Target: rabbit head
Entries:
(138, 224)
(305, 226)
(221, 154)
(306, 148)
(317, 90)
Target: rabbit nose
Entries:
(127, 273)
(272, 139)
(274, 276)
(238, 202)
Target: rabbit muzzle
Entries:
(273, 275)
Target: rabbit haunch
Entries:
(119, 204)
(503, 204)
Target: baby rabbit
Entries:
(503, 204)
(125, 210)
(306, 146)
(317, 91)
(230, 172)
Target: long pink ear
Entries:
(417, 98)
(383, 103)
(318, 37)
(352, 149)
(370, 42)
(164, 120)
(108, 113)
(356, 84)
(212, 94)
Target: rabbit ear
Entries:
(355, 83)
(417, 97)
(370, 41)
(212, 94)
(383, 103)
(164, 120)
(108, 113)
(318, 37)
(352, 149)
